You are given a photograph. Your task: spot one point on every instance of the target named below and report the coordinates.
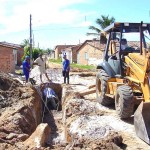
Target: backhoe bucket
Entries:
(142, 121)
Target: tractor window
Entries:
(112, 48)
(133, 40)
(114, 43)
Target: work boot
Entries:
(68, 81)
(64, 80)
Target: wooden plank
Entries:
(87, 92)
(91, 86)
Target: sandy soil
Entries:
(79, 82)
(96, 115)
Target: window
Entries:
(86, 55)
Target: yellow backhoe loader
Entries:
(124, 74)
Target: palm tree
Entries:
(25, 43)
(103, 22)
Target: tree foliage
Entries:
(25, 43)
(102, 23)
(48, 50)
(35, 52)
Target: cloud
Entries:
(14, 14)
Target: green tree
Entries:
(25, 43)
(35, 52)
(48, 50)
(102, 23)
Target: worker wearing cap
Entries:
(41, 62)
(26, 67)
(124, 44)
(125, 49)
(66, 68)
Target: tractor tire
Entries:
(124, 102)
(101, 88)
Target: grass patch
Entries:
(19, 72)
(74, 65)
(85, 67)
(59, 61)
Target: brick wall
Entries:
(91, 51)
(59, 48)
(74, 56)
(7, 63)
(20, 52)
(74, 53)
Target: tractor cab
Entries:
(122, 40)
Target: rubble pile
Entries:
(110, 142)
(84, 126)
(87, 131)
(20, 111)
(81, 107)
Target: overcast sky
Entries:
(56, 22)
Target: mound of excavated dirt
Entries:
(20, 110)
(87, 74)
(10, 91)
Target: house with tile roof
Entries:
(71, 53)
(90, 52)
(59, 49)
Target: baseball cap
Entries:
(64, 55)
(27, 57)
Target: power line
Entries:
(65, 28)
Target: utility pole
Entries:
(30, 41)
(33, 42)
(38, 45)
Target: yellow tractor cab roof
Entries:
(126, 27)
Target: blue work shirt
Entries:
(49, 93)
(66, 65)
(25, 65)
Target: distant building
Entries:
(51, 54)
(58, 50)
(10, 56)
(71, 53)
(90, 52)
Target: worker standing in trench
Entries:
(66, 68)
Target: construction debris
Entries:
(39, 137)
(81, 131)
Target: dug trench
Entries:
(79, 123)
(22, 121)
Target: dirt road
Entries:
(91, 124)
(80, 81)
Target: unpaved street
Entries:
(82, 124)
(103, 117)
